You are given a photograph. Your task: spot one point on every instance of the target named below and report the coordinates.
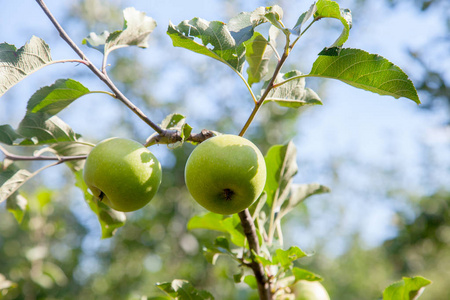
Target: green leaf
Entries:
(274, 14)
(72, 149)
(211, 221)
(40, 128)
(52, 99)
(366, 71)
(183, 290)
(303, 19)
(250, 280)
(406, 289)
(221, 246)
(281, 162)
(286, 257)
(15, 64)
(302, 274)
(257, 53)
(299, 192)
(216, 41)
(173, 121)
(96, 41)
(109, 219)
(8, 135)
(238, 278)
(242, 26)
(262, 260)
(17, 205)
(330, 9)
(233, 227)
(136, 30)
(185, 130)
(292, 93)
(11, 179)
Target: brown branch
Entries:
(270, 86)
(60, 159)
(174, 136)
(103, 77)
(264, 284)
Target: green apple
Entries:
(122, 173)
(225, 174)
(310, 290)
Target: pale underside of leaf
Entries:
(292, 93)
(13, 182)
(258, 54)
(40, 129)
(15, 64)
(136, 31)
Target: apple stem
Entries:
(264, 284)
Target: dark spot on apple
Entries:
(100, 197)
(228, 194)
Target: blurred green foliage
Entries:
(56, 252)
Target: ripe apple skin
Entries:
(310, 290)
(225, 174)
(122, 173)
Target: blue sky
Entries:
(378, 132)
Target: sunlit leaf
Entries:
(211, 221)
(303, 19)
(406, 289)
(16, 64)
(299, 192)
(281, 162)
(215, 41)
(286, 257)
(274, 14)
(186, 130)
(262, 260)
(257, 54)
(293, 93)
(136, 31)
(173, 121)
(330, 9)
(40, 128)
(96, 41)
(184, 290)
(54, 98)
(302, 274)
(370, 72)
(250, 280)
(242, 26)
(17, 205)
(11, 179)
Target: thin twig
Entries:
(264, 284)
(270, 86)
(60, 159)
(118, 94)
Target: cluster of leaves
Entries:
(237, 44)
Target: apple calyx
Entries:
(228, 194)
